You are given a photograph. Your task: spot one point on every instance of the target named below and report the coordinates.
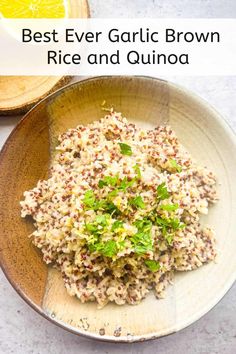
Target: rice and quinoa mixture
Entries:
(120, 211)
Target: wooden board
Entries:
(19, 93)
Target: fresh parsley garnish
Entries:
(168, 226)
(97, 226)
(108, 181)
(91, 227)
(125, 183)
(137, 202)
(106, 205)
(169, 238)
(176, 224)
(152, 265)
(113, 193)
(125, 149)
(118, 184)
(102, 219)
(89, 199)
(143, 224)
(173, 223)
(107, 249)
(169, 207)
(175, 165)
(101, 183)
(142, 241)
(99, 231)
(109, 207)
(161, 221)
(162, 192)
(116, 225)
(120, 245)
(137, 170)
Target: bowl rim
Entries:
(108, 338)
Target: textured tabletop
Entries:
(23, 331)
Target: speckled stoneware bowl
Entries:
(25, 158)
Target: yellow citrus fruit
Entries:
(34, 8)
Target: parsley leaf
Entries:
(152, 265)
(110, 208)
(101, 183)
(168, 227)
(125, 149)
(108, 181)
(108, 248)
(137, 170)
(142, 241)
(175, 165)
(102, 219)
(121, 245)
(169, 238)
(113, 193)
(162, 191)
(169, 207)
(89, 199)
(126, 184)
(97, 227)
(143, 224)
(116, 225)
(172, 223)
(91, 227)
(176, 224)
(137, 202)
(161, 221)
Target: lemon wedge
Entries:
(34, 8)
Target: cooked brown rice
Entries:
(120, 211)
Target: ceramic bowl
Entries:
(25, 159)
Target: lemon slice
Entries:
(34, 8)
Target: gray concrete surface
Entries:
(163, 8)
(23, 331)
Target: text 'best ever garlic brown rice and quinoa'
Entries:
(120, 211)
